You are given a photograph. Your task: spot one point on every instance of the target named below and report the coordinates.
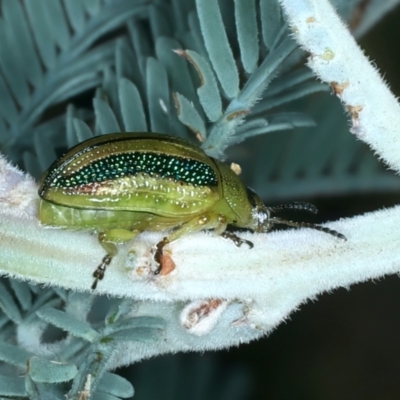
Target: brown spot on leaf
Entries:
(238, 114)
(354, 111)
(184, 54)
(339, 88)
(206, 308)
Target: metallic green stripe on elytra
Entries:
(122, 165)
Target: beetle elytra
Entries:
(122, 184)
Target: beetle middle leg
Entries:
(109, 239)
(98, 274)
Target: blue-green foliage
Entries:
(65, 337)
(204, 70)
(153, 87)
(134, 53)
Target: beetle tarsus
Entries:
(98, 275)
(236, 239)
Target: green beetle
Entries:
(122, 184)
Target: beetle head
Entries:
(262, 221)
(260, 214)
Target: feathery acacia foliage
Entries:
(214, 73)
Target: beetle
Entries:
(122, 184)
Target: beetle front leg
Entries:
(221, 230)
(206, 221)
(236, 239)
(108, 240)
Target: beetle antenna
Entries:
(296, 205)
(308, 225)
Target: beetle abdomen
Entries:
(78, 218)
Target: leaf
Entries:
(158, 96)
(8, 109)
(289, 80)
(83, 132)
(160, 20)
(219, 51)
(196, 35)
(246, 26)
(115, 385)
(259, 81)
(126, 65)
(188, 115)
(52, 63)
(76, 14)
(271, 21)
(42, 31)
(23, 295)
(12, 386)
(135, 335)
(131, 107)
(68, 323)
(176, 68)
(21, 37)
(14, 355)
(297, 93)
(141, 42)
(92, 6)
(275, 123)
(8, 305)
(105, 117)
(42, 370)
(135, 322)
(208, 92)
(46, 153)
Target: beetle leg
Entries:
(116, 236)
(98, 274)
(205, 221)
(108, 240)
(236, 239)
